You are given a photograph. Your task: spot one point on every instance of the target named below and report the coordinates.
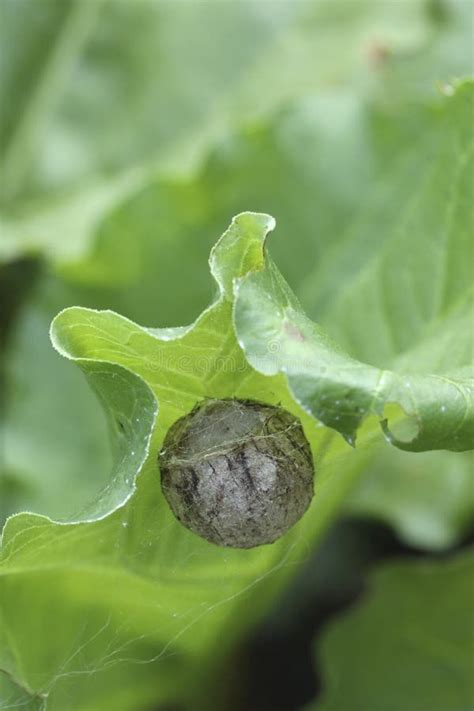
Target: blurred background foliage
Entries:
(132, 131)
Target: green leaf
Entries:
(335, 388)
(139, 554)
(136, 580)
(407, 645)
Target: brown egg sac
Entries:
(238, 473)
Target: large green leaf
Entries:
(135, 585)
(151, 583)
(408, 644)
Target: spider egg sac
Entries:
(238, 473)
